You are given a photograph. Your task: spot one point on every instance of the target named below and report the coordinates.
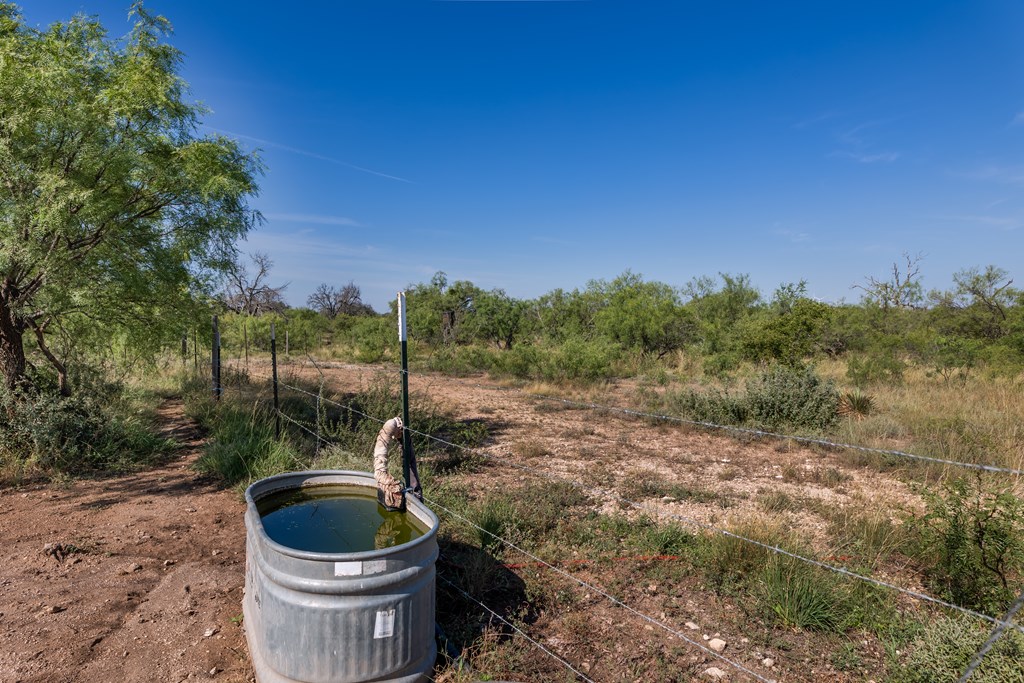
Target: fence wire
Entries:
(687, 520)
(603, 593)
(1001, 625)
(758, 432)
(837, 445)
(518, 630)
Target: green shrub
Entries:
(76, 434)
(781, 397)
(875, 367)
(947, 646)
(580, 359)
(972, 538)
(784, 397)
(710, 406)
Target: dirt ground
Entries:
(139, 577)
(128, 578)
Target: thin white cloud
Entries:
(312, 155)
(1001, 222)
(312, 219)
(793, 236)
(552, 240)
(1004, 175)
(805, 123)
(868, 158)
(1018, 119)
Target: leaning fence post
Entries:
(273, 363)
(215, 359)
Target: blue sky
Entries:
(532, 145)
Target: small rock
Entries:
(53, 609)
(168, 563)
(132, 568)
(717, 644)
(715, 673)
(744, 640)
(216, 552)
(768, 662)
(209, 632)
(190, 509)
(668, 499)
(213, 671)
(692, 626)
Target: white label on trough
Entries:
(348, 568)
(385, 626)
(360, 568)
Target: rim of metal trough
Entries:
(291, 480)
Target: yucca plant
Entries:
(856, 404)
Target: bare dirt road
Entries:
(129, 578)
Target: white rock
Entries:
(717, 644)
(768, 662)
(715, 673)
(692, 626)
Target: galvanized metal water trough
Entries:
(338, 617)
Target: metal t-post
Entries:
(406, 436)
(216, 359)
(273, 363)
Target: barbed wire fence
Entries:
(318, 398)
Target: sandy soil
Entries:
(129, 578)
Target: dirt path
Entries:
(126, 578)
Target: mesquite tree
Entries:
(113, 209)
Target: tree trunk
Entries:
(62, 371)
(12, 347)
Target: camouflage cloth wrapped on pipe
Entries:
(389, 489)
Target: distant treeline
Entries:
(619, 327)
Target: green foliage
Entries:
(792, 397)
(97, 431)
(972, 537)
(114, 212)
(777, 398)
(711, 405)
(241, 447)
(718, 311)
(645, 316)
(789, 336)
(953, 358)
(947, 646)
(801, 595)
(856, 404)
(875, 367)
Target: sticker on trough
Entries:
(348, 568)
(385, 626)
(360, 568)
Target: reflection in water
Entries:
(335, 519)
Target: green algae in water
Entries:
(335, 519)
